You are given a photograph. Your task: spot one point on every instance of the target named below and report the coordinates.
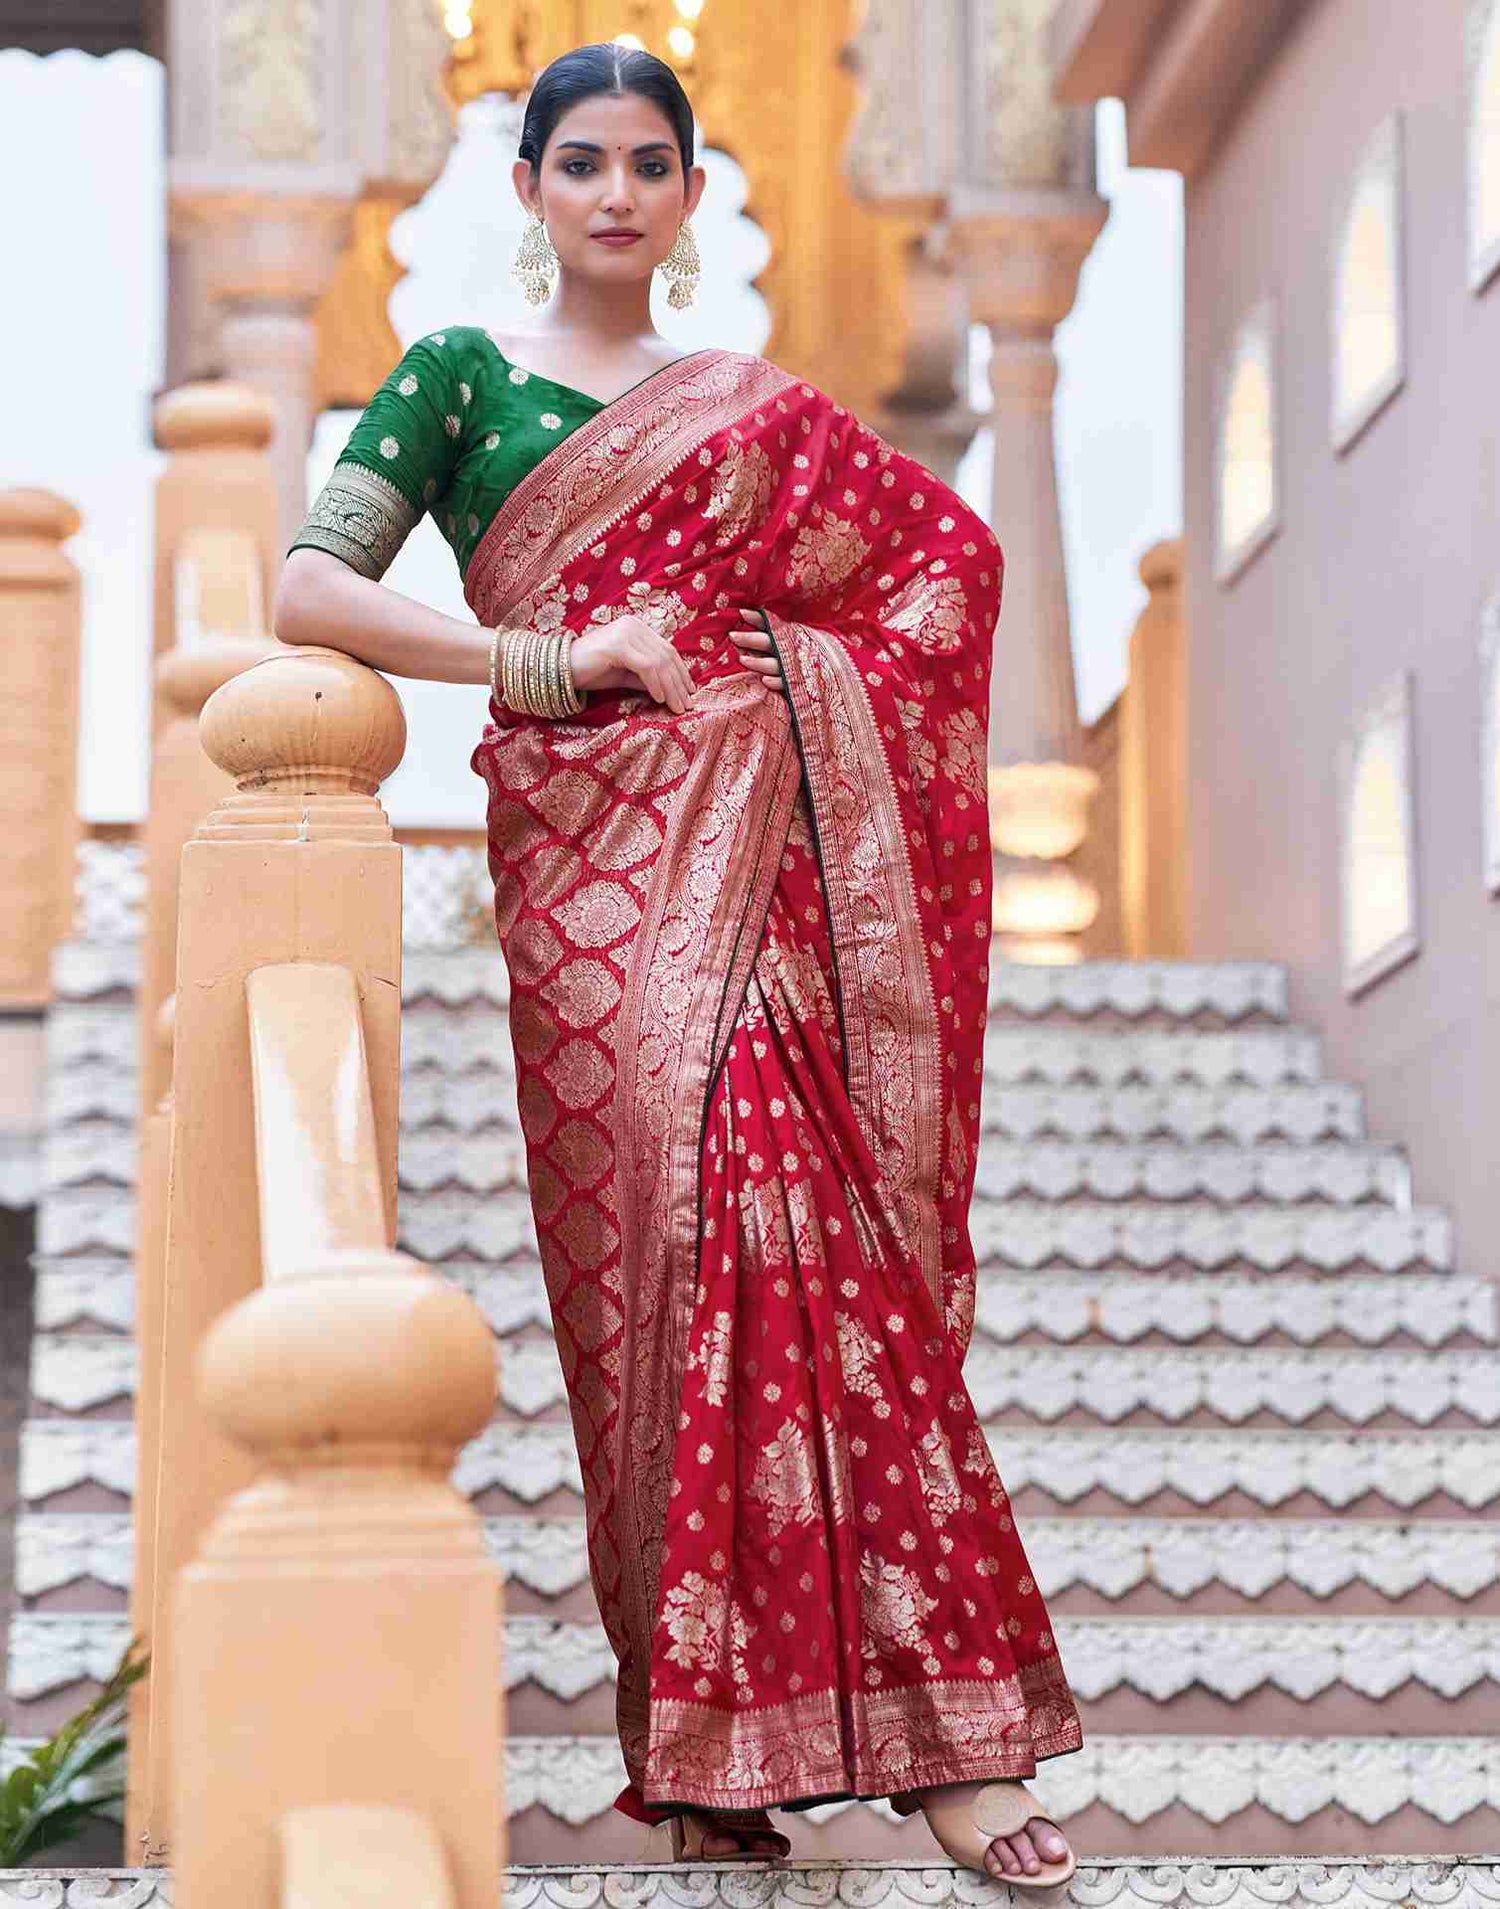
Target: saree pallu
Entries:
(748, 951)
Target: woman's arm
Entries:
(321, 600)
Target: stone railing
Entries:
(324, 1687)
(39, 627)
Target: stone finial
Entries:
(34, 524)
(308, 734)
(362, 1348)
(37, 513)
(214, 416)
(1161, 566)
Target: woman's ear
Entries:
(523, 178)
(697, 179)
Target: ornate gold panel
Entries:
(771, 89)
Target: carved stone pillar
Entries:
(1022, 253)
(957, 113)
(39, 629)
(283, 113)
(1153, 768)
(263, 262)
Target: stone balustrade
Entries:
(321, 1607)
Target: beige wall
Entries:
(1384, 559)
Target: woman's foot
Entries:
(995, 1827)
(725, 1836)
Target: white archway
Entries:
(1246, 486)
(1484, 141)
(1369, 364)
(1379, 848)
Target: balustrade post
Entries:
(39, 628)
(296, 863)
(1153, 768)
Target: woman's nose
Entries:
(618, 197)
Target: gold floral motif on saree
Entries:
(784, 1480)
(826, 554)
(743, 481)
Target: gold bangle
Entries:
(494, 646)
(572, 695)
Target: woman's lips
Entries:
(616, 238)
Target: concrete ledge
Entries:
(1362, 1882)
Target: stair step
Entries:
(1122, 1306)
(1301, 1112)
(1065, 1463)
(1136, 1777)
(1338, 1469)
(1031, 1232)
(1179, 990)
(1133, 990)
(1110, 1556)
(1155, 1657)
(1298, 1112)
(1047, 1382)
(1116, 1304)
(1337, 1174)
(1059, 1056)
(494, 1161)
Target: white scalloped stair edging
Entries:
(1277, 1883)
(1257, 1057)
(1299, 1112)
(1033, 1232)
(1124, 1306)
(1112, 1556)
(1159, 1657)
(1332, 1171)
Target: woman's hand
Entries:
(754, 646)
(628, 654)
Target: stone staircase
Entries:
(1244, 1403)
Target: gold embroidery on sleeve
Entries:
(361, 519)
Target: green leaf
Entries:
(66, 1782)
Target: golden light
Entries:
(689, 9)
(458, 20)
(632, 40)
(681, 42)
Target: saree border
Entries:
(746, 764)
(906, 1143)
(736, 1758)
(563, 504)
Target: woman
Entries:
(739, 657)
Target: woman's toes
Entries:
(1048, 1839)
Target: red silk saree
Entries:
(748, 949)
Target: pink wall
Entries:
(1385, 557)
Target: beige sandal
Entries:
(689, 1827)
(968, 1818)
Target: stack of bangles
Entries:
(536, 673)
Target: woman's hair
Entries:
(606, 68)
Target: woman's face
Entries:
(611, 167)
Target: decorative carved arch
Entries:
(772, 89)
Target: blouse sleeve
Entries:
(399, 457)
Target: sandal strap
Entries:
(1004, 1809)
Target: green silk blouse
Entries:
(452, 431)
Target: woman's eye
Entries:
(577, 167)
(655, 169)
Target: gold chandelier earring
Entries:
(535, 268)
(681, 267)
